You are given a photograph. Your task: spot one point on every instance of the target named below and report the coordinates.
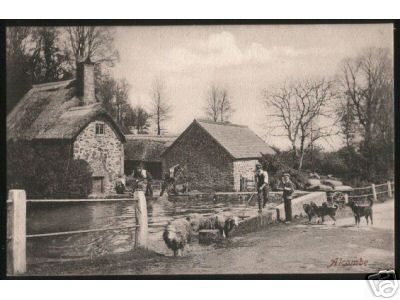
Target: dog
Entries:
(325, 210)
(309, 211)
(361, 211)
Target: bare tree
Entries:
(367, 87)
(225, 107)
(212, 107)
(91, 42)
(218, 105)
(160, 107)
(297, 109)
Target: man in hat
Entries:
(287, 186)
(261, 177)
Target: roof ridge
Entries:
(43, 86)
(220, 123)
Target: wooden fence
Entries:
(16, 226)
(374, 192)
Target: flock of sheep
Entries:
(179, 232)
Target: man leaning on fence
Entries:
(261, 178)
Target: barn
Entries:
(67, 115)
(146, 149)
(216, 155)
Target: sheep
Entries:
(225, 224)
(176, 235)
(198, 222)
(231, 223)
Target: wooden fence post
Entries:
(141, 219)
(16, 232)
(389, 189)
(374, 192)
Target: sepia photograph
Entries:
(206, 149)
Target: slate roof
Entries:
(238, 140)
(52, 111)
(147, 148)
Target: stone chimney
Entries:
(85, 82)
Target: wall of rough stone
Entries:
(244, 168)
(208, 166)
(105, 147)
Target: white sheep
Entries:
(224, 223)
(177, 234)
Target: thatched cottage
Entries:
(146, 149)
(67, 115)
(216, 155)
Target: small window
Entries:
(99, 128)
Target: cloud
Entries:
(221, 50)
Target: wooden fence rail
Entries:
(16, 226)
(374, 193)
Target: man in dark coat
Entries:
(287, 186)
(261, 177)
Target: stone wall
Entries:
(244, 168)
(106, 148)
(208, 166)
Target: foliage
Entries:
(17, 64)
(137, 118)
(29, 168)
(366, 86)
(347, 163)
(48, 61)
(276, 167)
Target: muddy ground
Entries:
(293, 248)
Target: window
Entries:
(99, 128)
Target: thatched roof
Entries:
(237, 140)
(53, 111)
(146, 148)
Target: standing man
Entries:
(262, 186)
(170, 179)
(143, 179)
(287, 186)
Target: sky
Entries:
(242, 58)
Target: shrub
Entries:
(47, 171)
(275, 168)
(78, 180)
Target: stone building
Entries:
(67, 115)
(216, 155)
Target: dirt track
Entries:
(294, 248)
